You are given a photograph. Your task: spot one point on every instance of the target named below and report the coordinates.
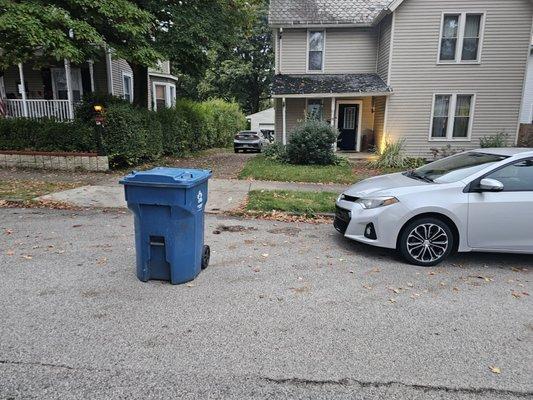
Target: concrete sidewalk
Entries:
(224, 194)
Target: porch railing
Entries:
(38, 108)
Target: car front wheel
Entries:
(426, 242)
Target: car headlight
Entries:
(375, 202)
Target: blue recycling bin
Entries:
(168, 205)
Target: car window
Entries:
(457, 167)
(515, 177)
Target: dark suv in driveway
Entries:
(249, 140)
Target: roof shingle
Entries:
(328, 84)
(319, 12)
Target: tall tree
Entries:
(189, 30)
(244, 73)
(37, 30)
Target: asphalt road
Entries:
(287, 311)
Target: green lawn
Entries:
(261, 168)
(291, 201)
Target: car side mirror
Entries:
(490, 185)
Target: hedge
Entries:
(130, 135)
(46, 135)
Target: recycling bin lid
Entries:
(167, 177)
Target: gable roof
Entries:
(325, 12)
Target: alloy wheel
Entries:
(427, 243)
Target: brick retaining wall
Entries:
(54, 160)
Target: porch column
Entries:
(284, 105)
(333, 117)
(68, 78)
(23, 89)
(91, 73)
(109, 69)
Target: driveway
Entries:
(285, 311)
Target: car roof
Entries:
(506, 151)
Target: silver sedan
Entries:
(479, 200)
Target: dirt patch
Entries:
(289, 230)
(224, 163)
(233, 229)
(78, 177)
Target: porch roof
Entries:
(324, 85)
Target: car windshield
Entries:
(455, 168)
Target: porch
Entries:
(51, 91)
(353, 103)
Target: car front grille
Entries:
(342, 219)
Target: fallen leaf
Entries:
(367, 287)
(27, 257)
(410, 284)
(190, 285)
(495, 370)
(76, 226)
(101, 261)
(8, 231)
(265, 255)
(256, 270)
(10, 253)
(392, 301)
(455, 289)
(432, 273)
(516, 295)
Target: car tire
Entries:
(236, 151)
(426, 242)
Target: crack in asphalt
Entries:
(345, 382)
(377, 385)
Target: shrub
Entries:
(176, 130)
(45, 135)
(276, 152)
(498, 140)
(312, 143)
(84, 110)
(444, 152)
(130, 135)
(392, 155)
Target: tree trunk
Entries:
(140, 85)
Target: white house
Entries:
(262, 120)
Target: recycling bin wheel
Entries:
(206, 255)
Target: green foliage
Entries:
(392, 157)
(84, 110)
(444, 152)
(38, 30)
(45, 135)
(243, 72)
(131, 135)
(312, 143)
(494, 141)
(276, 152)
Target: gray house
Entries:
(45, 91)
(434, 72)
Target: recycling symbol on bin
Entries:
(200, 197)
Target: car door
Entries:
(503, 220)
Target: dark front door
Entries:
(347, 125)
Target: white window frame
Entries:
(315, 71)
(169, 100)
(451, 117)
(460, 37)
(75, 75)
(127, 74)
(306, 111)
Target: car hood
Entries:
(383, 185)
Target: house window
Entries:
(315, 56)
(59, 84)
(460, 38)
(452, 116)
(164, 95)
(127, 87)
(315, 109)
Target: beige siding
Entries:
(119, 66)
(346, 51)
(384, 41)
(379, 120)
(296, 114)
(497, 81)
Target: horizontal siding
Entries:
(497, 81)
(351, 50)
(296, 114)
(118, 67)
(379, 120)
(527, 106)
(384, 36)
